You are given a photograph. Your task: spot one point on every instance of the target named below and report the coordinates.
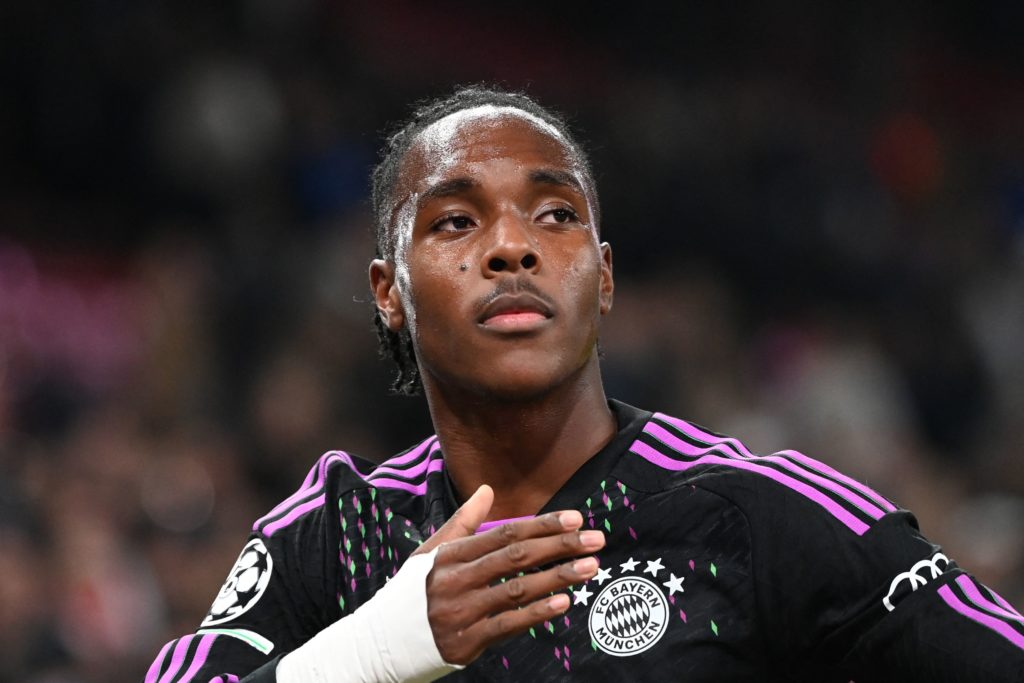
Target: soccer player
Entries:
(545, 532)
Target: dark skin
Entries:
(502, 281)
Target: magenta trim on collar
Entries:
(487, 526)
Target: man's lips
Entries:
(515, 311)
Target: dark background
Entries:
(818, 219)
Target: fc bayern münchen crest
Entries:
(244, 586)
(630, 614)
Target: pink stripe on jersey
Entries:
(740, 448)
(293, 515)
(413, 454)
(231, 678)
(201, 654)
(663, 435)
(314, 481)
(852, 483)
(972, 592)
(317, 478)
(655, 457)
(419, 489)
(1007, 606)
(410, 472)
(154, 668)
(296, 505)
(180, 650)
(487, 526)
(1000, 627)
(697, 433)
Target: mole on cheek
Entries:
(464, 267)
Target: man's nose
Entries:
(512, 248)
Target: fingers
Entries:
(512, 533)
(534, 552)
(523, 590)
(503, 619)
(466, 520)
(468, 609)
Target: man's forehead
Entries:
(448, 141)
(441, 133)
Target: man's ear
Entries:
(385, 294)
(607, 291)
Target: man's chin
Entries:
(512, 382)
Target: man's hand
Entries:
(467, 609)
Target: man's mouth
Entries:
(513, 312)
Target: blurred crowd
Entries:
(817, 216)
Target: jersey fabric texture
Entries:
(720, 565)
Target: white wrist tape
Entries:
(387, 640)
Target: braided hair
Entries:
(398, 345)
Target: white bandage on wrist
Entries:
(388, 639)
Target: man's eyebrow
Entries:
(554, 176)
(448, 188)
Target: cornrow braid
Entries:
(398, 346)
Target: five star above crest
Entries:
(674, 584)
(581, 595)
(602, 576)
(653, 567)
(629, 565)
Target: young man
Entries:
(545, 532)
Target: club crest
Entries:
(630, 613)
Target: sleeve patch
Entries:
(245, 585)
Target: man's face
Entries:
(498, 271)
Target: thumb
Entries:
(466, 520)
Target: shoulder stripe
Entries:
(311, 486)
(271, 528)
(787, 458)
(868, 508)
(412, 455)
(411, 472)
(1003, 603)
(434, 465)
(970, 589)
(655, 457)
(998, 625)
(418, 463)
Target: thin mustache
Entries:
(514, 286)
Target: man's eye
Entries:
(560, 216)
(453, 224)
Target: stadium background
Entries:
(817, 212)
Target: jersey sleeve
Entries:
(849, 589)
(281, 591)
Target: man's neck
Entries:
(524, 449)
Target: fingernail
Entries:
(571, 519)
(558, 602)
(591, 539)
(585, 566)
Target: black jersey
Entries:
(720, 565)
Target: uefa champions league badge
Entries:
(629, 614)
(245, 585)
